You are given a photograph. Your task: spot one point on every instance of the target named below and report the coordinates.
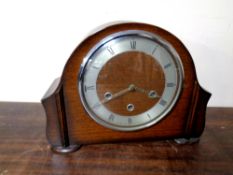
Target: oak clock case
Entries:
(126, 82)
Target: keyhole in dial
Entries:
(152, 94)
(130, 107)
(108, 95)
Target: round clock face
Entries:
(130, 80)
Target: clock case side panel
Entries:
(196, 120)
(56, 124)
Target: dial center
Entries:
(134, 79)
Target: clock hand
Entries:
(140, 89)
(151, 94)
(118, 94)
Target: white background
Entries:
(37, 38)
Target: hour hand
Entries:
(151, 94)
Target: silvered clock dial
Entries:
(130, 80)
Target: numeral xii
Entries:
(133, 44)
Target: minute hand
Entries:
(118, 94)
(151, 94)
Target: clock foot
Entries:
(67, 149)
(187, 141)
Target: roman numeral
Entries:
(148, 115)
(96, 105)
(154, 50)
(130, 121)
(171, 84)
(167, 65)
(133, 44)
(110, 50)
(163, 102)
(86, 88)
(95, 67)
(111, 117)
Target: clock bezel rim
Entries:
(143, 33)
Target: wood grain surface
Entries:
(24, 149)
(140, 70)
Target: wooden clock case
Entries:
(69, 126)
